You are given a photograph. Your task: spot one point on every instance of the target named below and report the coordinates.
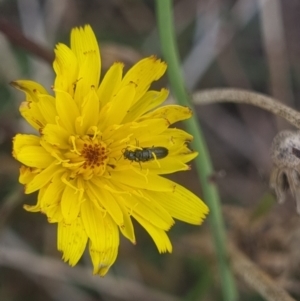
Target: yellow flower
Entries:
(100, 152)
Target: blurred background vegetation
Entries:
(250, 44)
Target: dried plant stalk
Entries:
(255, 277)
(246, 97)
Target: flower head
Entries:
(285, 175)
(100, 152)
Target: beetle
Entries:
(146, 154)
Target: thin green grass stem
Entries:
(203, 162)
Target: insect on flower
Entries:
(82, 126)
(146, 154)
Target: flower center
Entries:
(87, 157)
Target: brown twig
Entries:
(255, 277)
(16, 37)
(248, 97)
(43, 266)
(243, 268)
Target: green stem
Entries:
(203, 162)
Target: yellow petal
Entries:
(43, 178)
(34, 156)
(110, 83)
(85, 46)
(32, 114)
(71, 240)
(127, 227)
(56, 135)
(107, 200)
(104, 237)
(37, 206)
(150, 210)
(67, 111)
(147, 102)
(120, 104)
(164, 166)
(171, 138)
(32, 208)
(173, 113)
(89, 111)
(70, 204)
(134, 131)
(143, 180)
(27, 174)
(47, 108)
(31, 89)
(143, 73)
(27, 149)
(66, 68)
(159, 236)
(30, 109)
(48, 205)
(21, 140)
(182, 204)
(52, 195)
(54, 214)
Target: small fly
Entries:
(146, 154)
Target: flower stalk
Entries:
(203, 162)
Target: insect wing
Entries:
(159, 152)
